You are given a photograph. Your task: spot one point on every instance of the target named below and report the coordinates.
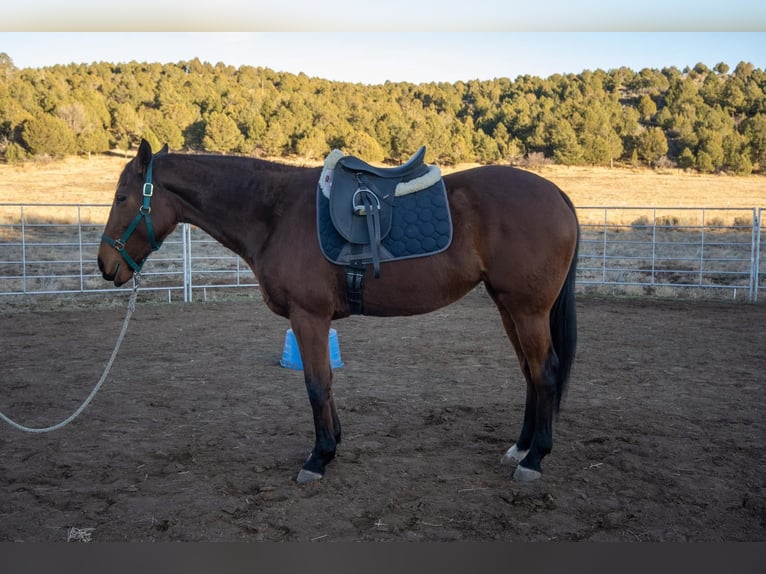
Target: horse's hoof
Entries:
(305, 476)
(524, 474)
(513, 455)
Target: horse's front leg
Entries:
(312, 336)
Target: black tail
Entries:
(564, 322)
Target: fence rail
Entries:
(716, 252)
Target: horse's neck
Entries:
(223, 198)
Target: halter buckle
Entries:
(148, 189)
(119, 245)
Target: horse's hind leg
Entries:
(312, 336)
(531, 339)
(519, 449)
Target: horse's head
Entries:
(140, 218)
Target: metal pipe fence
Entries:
(710, 252)
(687, 251)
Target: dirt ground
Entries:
(198, 433)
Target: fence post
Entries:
(23, 251)
(756, 255)
(187, 261)
(79, 248)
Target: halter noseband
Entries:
(144, 212)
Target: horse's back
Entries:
(503, 185)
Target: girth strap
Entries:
(354, 286)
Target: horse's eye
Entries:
(118, 199)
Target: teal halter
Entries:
(144, 212)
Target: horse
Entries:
(514, 231)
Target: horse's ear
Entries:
(144, 156)
(164, 149)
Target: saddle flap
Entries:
(348, 210)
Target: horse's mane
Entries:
(239, 162)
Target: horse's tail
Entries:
(563, 321)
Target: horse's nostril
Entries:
(101, 265)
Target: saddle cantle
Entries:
(368, 214)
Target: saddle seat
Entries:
(412, 166)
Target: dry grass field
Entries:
(79, 180)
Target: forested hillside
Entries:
(698, 118)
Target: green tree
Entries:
(711, 143)
(221, 134)
(686, 159)
(721, 68)
(86, 125)
(502, 139)
(364, 145)
(754, 130)
(7, 67)
(49, 135)
(755, 100)
(711, 90)
(313, 145)
(652, 145)
(126, 125)
(485, 148)
(12, 153)
(735, 157)
(646, 107)
(743, 70)
(601, 144)
(733, 95)
(92, 140)
(253, 127)
(12, 115)
(563, 140)
(437, 136)
(169, 133)
(275, 141)
(705, 162)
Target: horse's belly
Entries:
(416, 286)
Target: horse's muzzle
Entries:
(108, 276)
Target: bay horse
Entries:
(514, 231)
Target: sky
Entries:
(377, 57)
(385, 15)
(390, 40)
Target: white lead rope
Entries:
(74, 415)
